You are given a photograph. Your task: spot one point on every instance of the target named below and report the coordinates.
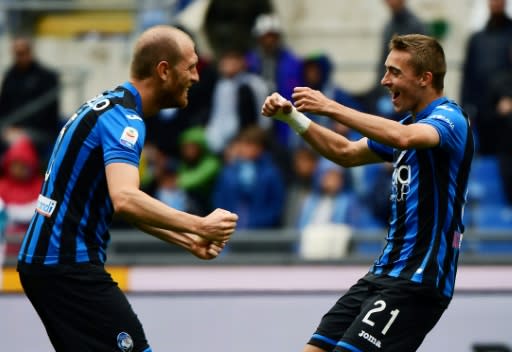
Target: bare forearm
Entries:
(177, 238)
(377, 128)
(328, 143)
(138, 207)
(374, 127)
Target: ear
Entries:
(163, 70)
(426, 79)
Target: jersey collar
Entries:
(430, 107)
(135, 93)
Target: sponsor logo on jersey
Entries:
(457, 240)
(443, 118)
(400, 183)
(444, 107)
(133, 117)
(129, 137)
(45, 206)
(124, 342)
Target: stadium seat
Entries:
(495, 221)
(492, 217)
(485, 186)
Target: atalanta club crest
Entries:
(124, 342)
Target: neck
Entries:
(429, 99)
(145, 89)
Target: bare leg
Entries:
(311, 348)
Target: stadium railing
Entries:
(281, 247)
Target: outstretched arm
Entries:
(138, 207)
(326, 142)
(377, 128)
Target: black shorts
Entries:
(83, 309)
(370, 318)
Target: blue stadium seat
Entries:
(494, 224)
(492, 217)
(485, 186)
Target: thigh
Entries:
(85, 313)
(392, 321)
(339, 318)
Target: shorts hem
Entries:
(322, 342)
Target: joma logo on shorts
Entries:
(369, 338)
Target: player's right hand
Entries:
(219, 225)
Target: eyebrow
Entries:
(393, 68)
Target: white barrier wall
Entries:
(259, 322)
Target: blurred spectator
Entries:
(3, 221)
(228, 21)
(251, 184)
(305, 161)
(499, 113)
(317, 74)
(329, 202)
(402, 21)
(167, 189)
(198, 170)
(29, 99)
(278, 65)
(237, 99)
(487, 54)
(20, 185)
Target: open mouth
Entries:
(395, 95)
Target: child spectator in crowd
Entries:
(167, 188)
(329, 202)
(198, 170)
(305, 161)
(251, 184)
(20, 184)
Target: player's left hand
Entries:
(206, 249)
(276, 106)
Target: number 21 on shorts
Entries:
(381, 306)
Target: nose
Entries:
(195, 76)
(385, 81)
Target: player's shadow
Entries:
(491, 348)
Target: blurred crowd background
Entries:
(220, 151)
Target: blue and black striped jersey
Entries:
(74, 209)
(428, 194)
